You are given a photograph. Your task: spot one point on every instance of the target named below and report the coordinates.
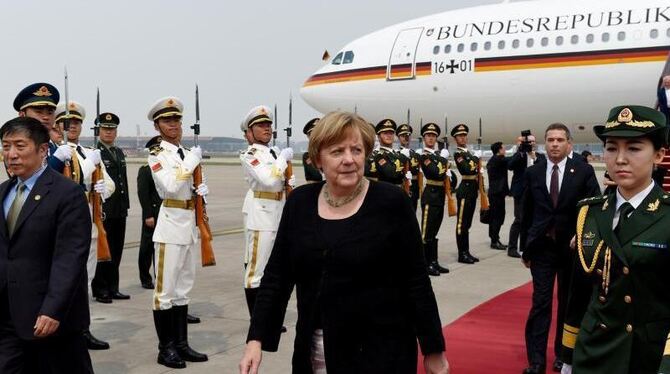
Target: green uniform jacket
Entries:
(116, 206)
(467, 164)
(370, 167)
(434, 169)
(312, 174)
(389, 167)
(618, 313)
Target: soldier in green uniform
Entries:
(435, 166)
(386, 161)
(618, 315)
(370, 171)
(466, 193)
(411, 158)
(312, 174)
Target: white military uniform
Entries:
(175, 234)
(264, 203)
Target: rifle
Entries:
(94, 198)
(274, 132)
(289, 167)
(484, 204)
(451, 202)
(201, 219)
(405, 167)
(67, 170)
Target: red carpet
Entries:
(490, 338)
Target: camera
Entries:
(525, 145)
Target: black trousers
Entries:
(146, 254)
(497, 213)
(466, 210)
(107, 273)
(66, 354)
(431, 220)
(550, 261)
(414, 193)
(513, 243)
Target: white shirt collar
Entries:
(636, 200)
(561, 164)
(386, 148)
(169, 146)
(464, 149)
(431, 150)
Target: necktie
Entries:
(181, 153)
(15, 208)
(272, 152)
(553, 186)
(625, 211)
(81, 152)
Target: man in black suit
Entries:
(525, 157)
(45, 233)
(552, 189)
(498, 190)
(151, 205)
(663, 93)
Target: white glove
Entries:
(63, 153)
(202, 190)
(95, 157)
(197, 152)
(408, 175)
(405, 152)
(291, 181)
(448, 173)
(287, 154)
(566, 369)
(99, 187)
(444, 153)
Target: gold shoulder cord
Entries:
(581, 221)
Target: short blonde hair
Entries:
(334, 127)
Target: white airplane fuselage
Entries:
(516, 66)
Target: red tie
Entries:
(553, 186)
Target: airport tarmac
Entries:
(218, 297)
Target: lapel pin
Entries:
(652, 207)
(572, 170)
(37, 197)
(605, 205)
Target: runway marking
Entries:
(239, 230)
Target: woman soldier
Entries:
(618, 316)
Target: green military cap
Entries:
(404, 129)
(385, 125)
(309, 126)
(430, 128)
(632, 121)
(460, 130)
(109, 120)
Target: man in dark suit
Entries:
(45, 233)
(552, 189)
(525, 157)
(106, 282)
(151, 205)
(498, 190)
(663, 93)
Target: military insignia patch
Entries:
(43, 91)
(651, 245)
(589, 235)
(426, 162)
(414, 162)
(156, 167)
(607, 202)
(459, 159)
(382, 162)
(108, 117)
(255, 162)
(587, 242)
(625, 116)
(652, 207)
(398, 166)
(170, 102)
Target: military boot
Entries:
(167, 353)
(440, 268)
(431, 259)
(463, 257)
(180, 328)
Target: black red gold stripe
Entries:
(557, 60)
(376, 72)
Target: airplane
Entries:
(514, 65)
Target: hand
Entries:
(448, 172)
(100, 188)
(566, 369)
(202, 190)
(526, 263)
(573, 242)
(197, 152)
(150, 222)
(252, 358)
(444, 153)
(95, 157)
(63, 153)
(291, 181)
(405, 152)
(436, 363)
(287, 154)
(45, 326)
(608, 182)
(408, 175)
(519, 140)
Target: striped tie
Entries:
(15, 208)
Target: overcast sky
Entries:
(241, 53)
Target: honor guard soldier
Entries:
(151, 205)
(39, 101)
(175, 234)
(370, 171)
(434, 165)
(466, 193)
(264, 170)
(411, 158)
(386, 161)
(618, 314)
(312, 174)
(84, 162)
(115, 208)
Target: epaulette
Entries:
(155, 150)
(252, 151)
(593, 200)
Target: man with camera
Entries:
(525, 157)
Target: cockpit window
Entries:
(348, 57)
(338, 59)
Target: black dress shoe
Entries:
(465, 259)
(499, 246)
(105, 299)
(440, 268)
(557, 366)
(432, 270)
(512, 252)
(119, 296)
(192, 319)
(148, 285)
(93, 343)
(475, 259)
(534, 369)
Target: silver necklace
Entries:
(336, 203)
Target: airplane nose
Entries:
(310, 92)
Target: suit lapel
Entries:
(4, 190)
(566, 182)
(643, 217)
(36, 196)
(542, 166)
